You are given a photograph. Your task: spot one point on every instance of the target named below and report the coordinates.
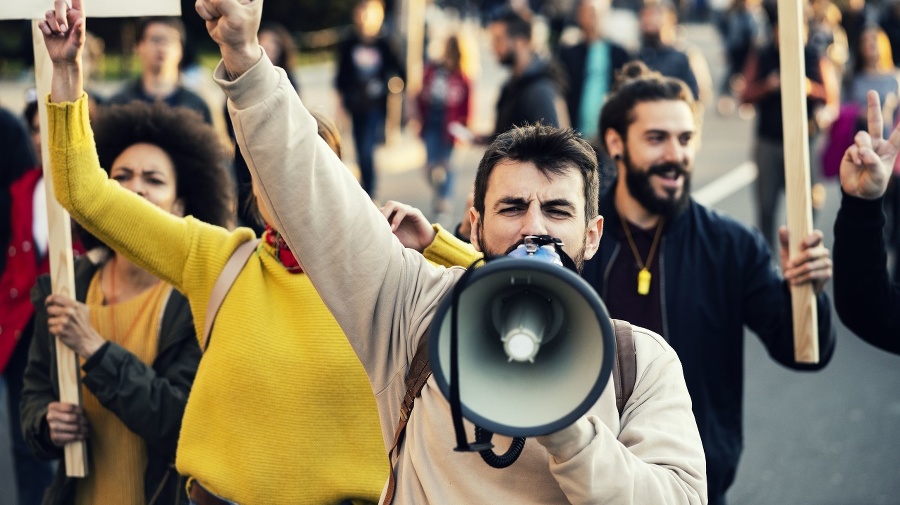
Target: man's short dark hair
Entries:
(517, 27)
(552, 150)
(635, 83)
(170, 21)
(203, 182)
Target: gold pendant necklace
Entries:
(644, 276)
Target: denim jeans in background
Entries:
(32, 475)
(368, 130)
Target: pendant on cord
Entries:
(643, 281)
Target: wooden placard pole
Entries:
(60, 247)
(62, 273)
(796, 168)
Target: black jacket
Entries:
(529, 98)
(573, 60)
(362, 92)
(149, 401)
(670, 62)
(717, 277)
(864, 297)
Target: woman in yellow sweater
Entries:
(133, 334)
(281, 411)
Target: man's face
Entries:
(160, 50)
(502, 44)
(590, 14)
(521, 201)
(658, 155)
(368, 17)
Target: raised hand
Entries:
(64, 32)
(811, 264)
(233, 25)
(409, 225)
(866, 166)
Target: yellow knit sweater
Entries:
(281, 411)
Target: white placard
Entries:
(35, 9)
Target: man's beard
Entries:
(578, 259)
(508, 59)
(651, 39)
(638, 183)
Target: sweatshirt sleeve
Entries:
(864, 297)
(165, 245)
(657, 456)
(337, 234)
(447, 250)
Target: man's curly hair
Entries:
(203, 180)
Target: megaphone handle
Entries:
(462, 442)
(483, 437)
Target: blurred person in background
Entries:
(24, 257)
(739, 28)
(658, 20)
(160, 48)
(763, 90)
(442, 105)
(532, 93)
(367, 60)
(590, 68)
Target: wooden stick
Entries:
(796, 169)
(62, 273)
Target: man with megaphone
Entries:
(534, 181)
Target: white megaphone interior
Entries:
(525, 396)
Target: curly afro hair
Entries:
(203, 180)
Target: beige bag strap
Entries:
(624, 364)
(223, 284)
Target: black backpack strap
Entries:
(624, 364)
(416, 377)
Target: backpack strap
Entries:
(223, 284)
(416, 377)
(624, 364)
(624, 376)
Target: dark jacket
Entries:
(182, 97)
(670, 62)
(864, 297)
(365, 90)
(573, 60)
(149, 401)
(529, 98)
(717, 277)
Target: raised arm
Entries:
(864, 297)
(64, 35)
(155, 240)
(340, 238)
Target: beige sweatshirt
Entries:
(384, 297)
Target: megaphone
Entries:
(534, 347)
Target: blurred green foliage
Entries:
(300, 17)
